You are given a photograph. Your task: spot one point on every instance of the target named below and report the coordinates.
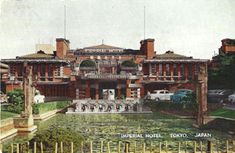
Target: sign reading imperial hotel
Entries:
(92, 71)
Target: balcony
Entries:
(166, 79)
(105, 76)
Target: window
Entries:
(161, 92)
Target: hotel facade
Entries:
(97, 71)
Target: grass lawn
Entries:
(223, 112)
(5, 114)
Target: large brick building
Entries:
(90, 72)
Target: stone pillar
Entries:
(157, 71)
(113, 70)
(16, 75)
(53, 72)
(46, 72)
(171, 71)
(179, 74)
(164, 71)
(128, 90)
(97, 91)
(150, 69)
(201, 91)
(88, 89)
(39, 71)
(119, 94)
(193, 71)
(186, 71)
(25, 123)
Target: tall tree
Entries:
(224, 75)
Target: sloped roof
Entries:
(171, 55)
(38, 55)
(102, 46)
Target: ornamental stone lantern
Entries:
(25, 122)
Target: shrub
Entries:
(87, 63)
(184, 108)
(16, 100)
(54, 134)
(129, 63)
(49, 106)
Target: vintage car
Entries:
(218, 95)
(182, 95)
(159, 95)
(231, 98)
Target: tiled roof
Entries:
(171, 55)
(38, 55)
(102, 46)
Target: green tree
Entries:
(224, 75)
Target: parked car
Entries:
(231, 98)
(181, 95)
(218, 95)
(3, 98)
(160, 95)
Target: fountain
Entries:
(107, 106)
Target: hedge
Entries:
(49, 106)
(182, 108)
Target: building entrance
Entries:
(108, 90)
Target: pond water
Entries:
(114, 127)
(146, 128)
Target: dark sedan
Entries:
(218, 95)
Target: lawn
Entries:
(5, 114)
(223, 112)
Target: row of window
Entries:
(181, 68)
(41, 70)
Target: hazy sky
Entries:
(189, 27)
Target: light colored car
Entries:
(160, 95)
(231, 98)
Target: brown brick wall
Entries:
(62, 46)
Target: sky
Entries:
(187, 27)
